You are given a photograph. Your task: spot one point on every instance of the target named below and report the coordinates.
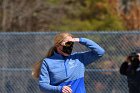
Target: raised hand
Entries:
(70, 39)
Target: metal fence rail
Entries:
(19, 51)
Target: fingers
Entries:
(66, 89)
(139, 55)
(127, 59)
(70, 39)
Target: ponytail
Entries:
(36, 67)
(50, 52)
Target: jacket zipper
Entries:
(65, 68)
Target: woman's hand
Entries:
(74, 40)
(70, 39)
(66, 89)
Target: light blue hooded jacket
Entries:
(58, 71)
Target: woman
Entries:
(63, 72)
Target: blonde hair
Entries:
(57, 40)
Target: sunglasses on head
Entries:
(68, 44)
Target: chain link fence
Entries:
(19, 51)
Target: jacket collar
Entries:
(59, 56)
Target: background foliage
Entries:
(69, 15)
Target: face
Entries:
(68, 38)
(65, 48)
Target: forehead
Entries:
(67, 38)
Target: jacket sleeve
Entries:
(124, 68)
(44, 81)
(95, 52)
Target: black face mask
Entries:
(68, 48)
